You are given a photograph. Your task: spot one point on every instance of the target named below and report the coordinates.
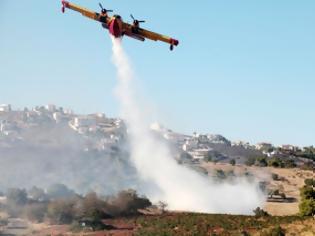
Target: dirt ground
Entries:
(291, 181)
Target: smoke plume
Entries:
(181, 188)
(53, 153)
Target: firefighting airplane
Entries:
(117, 27)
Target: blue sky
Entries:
(244, 69)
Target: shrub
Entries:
(185, 156)
(274, 163)
(232, 162)
(276, 231)
(36, 212)
(61, 211)
(289, 164)
(162, 206)
(275, 192)
(57, 191)
(244, 233)
(307, 192)
(309, 182)
(261, 162)
(262, 186)
(283, 196)
(91, 207)
(308, 166)
(230, 174)
(307, 207)
(17, 196)
(126, 203)
(260, 212)
(275, 177)
(307, 204)
(220, 174)
(250, 161)
(208, 158)
(37, 194)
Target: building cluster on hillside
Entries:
(244, 144)
(198, 146)
(102, 133)
(270, 150)
(201, 146)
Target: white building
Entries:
(190, 144)
(200, 153)
(8, 128)
(84, 121)
(68, 111)
(288, 147)
(50, 107)
(266, 146)
(59, 117)
(100, 115)
(5, 107)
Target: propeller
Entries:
(103, 9)
(135, 21)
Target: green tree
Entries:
(275, 177)
(261, 162)
(307, 192)
(126, 203)
(289, 163)
(61, 211)
(309, 182)
(36, 211)
(260, 212)
(162, 206)
(309, 165)
(232, 162)
(307, 204)
(17, 196)
(57, 191)
(307, 207)
(250, 161)
(91, 207)
(37, 194)
(220, 174)
(275, 162)
(208, 158)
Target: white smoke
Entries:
(181, 188)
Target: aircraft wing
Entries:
(143, 33)
(85, 12)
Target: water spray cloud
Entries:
(178, 186)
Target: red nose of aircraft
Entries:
(114, 28)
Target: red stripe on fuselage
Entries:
(114, 28)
